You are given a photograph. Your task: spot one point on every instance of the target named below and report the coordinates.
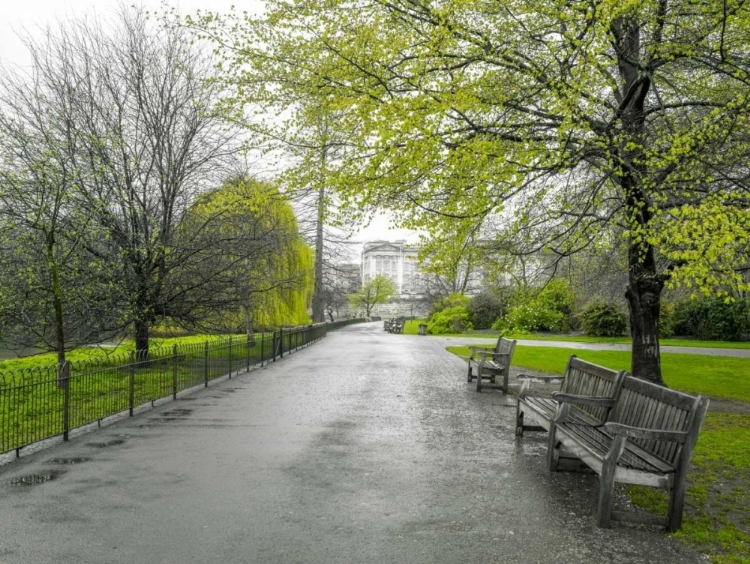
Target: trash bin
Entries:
(422, 329)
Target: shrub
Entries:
(559, 296)
(600, 319)
(484, 309)
(666, 319)
(712, 319)
(501, 325)
(453, 300)
(450, 320)
(548, 310)
(536, 316)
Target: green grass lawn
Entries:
(411, 328)
(101, 353)
(31, 403)
(717, 517)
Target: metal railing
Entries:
(333, 325)
(41, 403)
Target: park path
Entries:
(363, 448)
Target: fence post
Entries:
(131, 383)
(64, 377)
(205, 364)
(230, 357)
(247, 352)
(281, 343)
(262, 348)
(175, 360)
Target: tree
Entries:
(247, 243)
(54, 294)
(451, 263)
(148, 143)
(562, 118)
(377, 291)
(290, 118)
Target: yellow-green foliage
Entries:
(288, 306)
(278, 280)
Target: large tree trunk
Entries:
(249, 330)
(645, 284)
(54, 266)
(318, 300)
(644, 300)
(141, 336)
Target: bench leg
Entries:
(505, 382)
(519, 421)
(676, 502)
(479, 381)
(553, 448)
(607, 482)
(470, 377)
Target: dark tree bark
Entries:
(645, 284)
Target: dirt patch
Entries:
(729, 406)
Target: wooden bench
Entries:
(387, 325)
(397, 326)
(581, 378)
(646, 436)
(491, 363)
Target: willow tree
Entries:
(564, 118)
(249, 244)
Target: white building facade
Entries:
(396, 260)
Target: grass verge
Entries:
(717, 514)
(411, 328)
(715, 376)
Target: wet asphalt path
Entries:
(364, 448)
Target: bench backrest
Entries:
(643, 404)
(588, 379)
(505, 346)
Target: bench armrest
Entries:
(618, 429)
(494, 355)
(594, 401)
(480, 350)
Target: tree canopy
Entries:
(562, 119)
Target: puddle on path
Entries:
(35, 479)
(73, 460)
(113, 442)
(177, 413)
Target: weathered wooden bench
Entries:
(635, 433)
(491, 363)
(581, 378)
(387, 325)
(397, 326)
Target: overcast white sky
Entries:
(22, 16)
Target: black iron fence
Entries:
(41, 403)
(333, 325)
